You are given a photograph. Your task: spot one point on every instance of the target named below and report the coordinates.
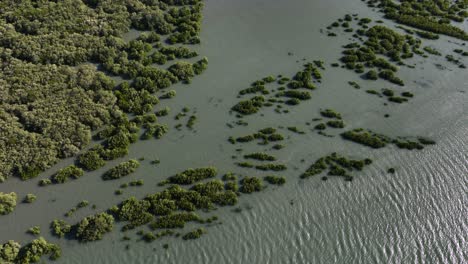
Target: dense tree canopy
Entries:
(52, 92)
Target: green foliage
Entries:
(35, 230)
(337, 165)
(200, 66)
(169, 94)
(135, 212)
(271, 167)
(121, 170)
(182, 70)
(374, 140)
(191, 121)
(371, 75)
(195, 234)
(7, 202)
(433, 16)
(250, 106)
(60, 228)
(190, 176)
(277, 180)
(320, 126)
(30, 198)
(93, 227)
(367, 138)
(91, 160)
(265, 135)
(33, 251)
(9, 251)
(330, 113)
(49, 53)
(260, 156)
(68, 172)
(251, 184)
(336, 123)
(175, 220)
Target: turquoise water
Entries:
(417, 215)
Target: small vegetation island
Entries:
(74, 85)
(336, 165)
(169, 209)
(289, 91)
(375, 140)
(432, 16)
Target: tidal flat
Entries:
(415, 214)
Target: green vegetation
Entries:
(296, 130)
(60, 228)
(12, 252)
(432, 51)
(271, 167)
(380, 47)
(121, 170)
(80, 205)
(245, 164)
(191, 121)
(355, 85)
(337, 165)
(68, 172)
(195, 234)
(277, 180)
(163, 112)
(29, 198)
(52, 55)
(426, 141)
(266, 136)
(278, 146)
(426, 35)
(93, 227)
(433, 16)
(250, 106)
(263, 97)
(260, 156)
(91, 160)
(371, 75)
(374, 140)
(367, 138)
(35, 230)
(45, 182)
(336, 123)
(9, 251)
(7, 202)
(251, 184)
(191, 176)
(320, 126)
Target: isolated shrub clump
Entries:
(7, 202)
(121, 170)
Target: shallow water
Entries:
(417, 215)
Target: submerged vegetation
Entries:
(265, 136)
(56, 95)
(193, 175)
(375, 140)
(433, 16)
(261, 96)
(336, 165)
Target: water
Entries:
(417, 215)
